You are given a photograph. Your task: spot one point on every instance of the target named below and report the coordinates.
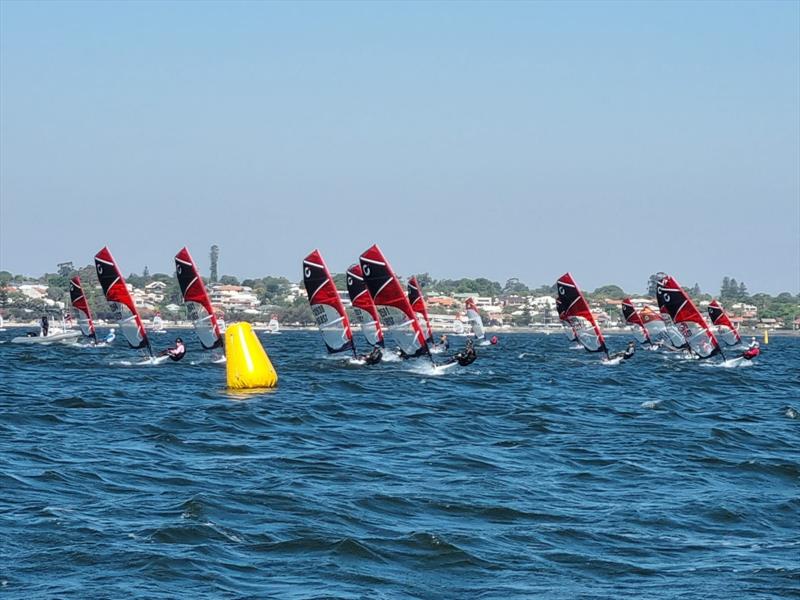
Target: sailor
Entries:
(374, 357)
(177, 352)
(753, 343)
(444, 342)
(629, 351)
(626, 354)
(752, 351)
(111, 336)
(466, 356)
(45, 325)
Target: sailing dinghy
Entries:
(674, 301)
(364, 307)
(726, 330)
(82, 313)
(395, 312)
(120, 301)
(329, 312)
(417, 301)
(198, 303)
(476, 321)
(574, 309)
(633, 318)
(273, 327)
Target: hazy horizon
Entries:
(611, 140)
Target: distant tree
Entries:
(609, 291)
(725, 288)
(544, 290)
(146, 272)
(340, 281)
(65, 268)
(228, 280)
(742, 291)
(214, 261)
(425, 280)
(515, 286)
(695, 290)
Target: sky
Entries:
(612, 140)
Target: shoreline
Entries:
(749, 332)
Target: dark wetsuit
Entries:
(466, 356)
(374, 357)
(45, 326)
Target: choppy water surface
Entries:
(534, 472)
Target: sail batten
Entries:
(197, 301)
(81, 306)
(326, 305)
(675, 302)
(120, 300)
(394, 310)
(574, 309)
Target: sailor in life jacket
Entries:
(627, 353)
(752, 351)
(111, 336)
(466, 356)
(374, 357)
(177, 352)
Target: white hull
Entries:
(67, 338)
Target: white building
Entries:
(234, 297)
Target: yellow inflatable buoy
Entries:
(766, 335)
(247, 362)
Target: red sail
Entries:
(632, 317)
(726, 330)
(80, 304)
(364, 307)
(329, 312)
(394, 309)
(119, 298)
(417, 302)
(573, 308)
(676, 303)
(198, 304)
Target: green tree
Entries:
(228, 280)
(515, 286)
(609, 291)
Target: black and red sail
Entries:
(726, 330)
(81, 306)
(329, 312)
(675, 302)
(417, 301)
(363, 306)
(119, 298)
(573, 308)
(394, 309)
(198, 303)
(632, 317)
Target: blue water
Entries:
(535, 472)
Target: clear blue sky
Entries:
(612, 140)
